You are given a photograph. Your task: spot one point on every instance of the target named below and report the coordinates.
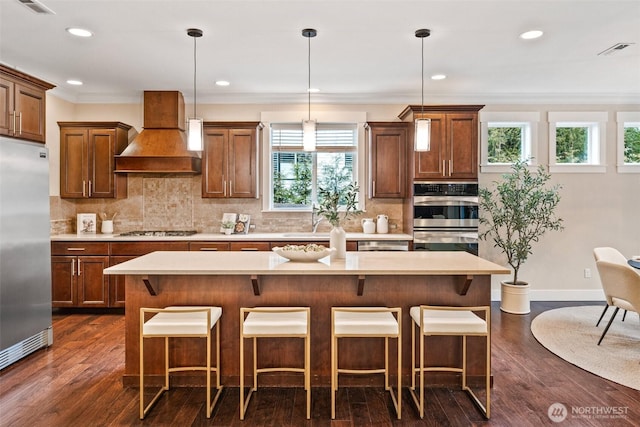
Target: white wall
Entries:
(598, 209)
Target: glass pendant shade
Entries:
(309, 135)
(423, 135)
(194, 138)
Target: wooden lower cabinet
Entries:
(116, 283)
(76, 274)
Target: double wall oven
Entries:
(445, 216)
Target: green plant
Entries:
(331, 198)
(518, 212)
(228, 224)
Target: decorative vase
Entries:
(515, 298)
(338, 240)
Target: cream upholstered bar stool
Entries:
(274, 322)
(367, 322)
(449, 321)
(180, 322)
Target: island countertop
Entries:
(268, 263)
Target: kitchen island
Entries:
(248, 279)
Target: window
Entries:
(628, 142)
(507, 137)
(296, 175)
(577, 142)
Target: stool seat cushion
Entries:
(275, 323)
(179, 324)
(449, 321)
(363, 323)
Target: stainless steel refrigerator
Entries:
(25, 251)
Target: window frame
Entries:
(596, 121)
(529, 119)
(622, 118)
(349, 117)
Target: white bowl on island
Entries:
(303, 253)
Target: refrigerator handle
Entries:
(73, 267)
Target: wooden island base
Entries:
(320, 292)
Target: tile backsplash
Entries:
(174, 202)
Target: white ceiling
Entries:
(365, 51)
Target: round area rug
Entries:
(571, 334)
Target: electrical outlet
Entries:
(587, 273)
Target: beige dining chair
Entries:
(620, 282)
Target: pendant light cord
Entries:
(309, 74)
(422, 75)
(195, 67)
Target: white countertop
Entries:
(269, 263)
(253, 237)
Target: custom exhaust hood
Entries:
(161, 147)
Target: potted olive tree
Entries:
(330, 200)
(514, 215)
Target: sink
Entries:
(307, 235)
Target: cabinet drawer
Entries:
(79, 248)
(250, 246)
(142, 248)
(209, 246)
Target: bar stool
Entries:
(450, 321)
(366, 322)
(274, 322)
(180, 322)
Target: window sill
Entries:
(629, 168)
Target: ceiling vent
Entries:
(616, 48)
(37, 7)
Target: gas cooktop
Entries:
(159, 233)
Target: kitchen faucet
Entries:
(314, 220)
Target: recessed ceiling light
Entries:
(313, 90)
(74, 82)
(80, 32)
(222, 83)
(533, 34)
(438, 77)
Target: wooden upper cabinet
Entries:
(22, 105)
(229, 159)
(87, 151)
(387, 159)
(454, 142)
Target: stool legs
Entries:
(463, 333)
(367, 327)
(274, 322)
(205, 323)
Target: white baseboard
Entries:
(559, 295)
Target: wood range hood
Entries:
(161, 146)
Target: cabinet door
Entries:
(388, 148)
(101, 150)
(462, 145)
(116, 283)
(431, 164)
(6, 107)
(93, 285)
(214, 163)
(74, 175)
(30, 108)
(63, 281)
(242, 163)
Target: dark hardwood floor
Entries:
(77, 382)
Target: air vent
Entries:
(615, 48)
(37, 7)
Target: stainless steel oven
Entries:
(445, 216)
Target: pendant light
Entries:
(309, 126)
(194, 124)
(422, 137)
